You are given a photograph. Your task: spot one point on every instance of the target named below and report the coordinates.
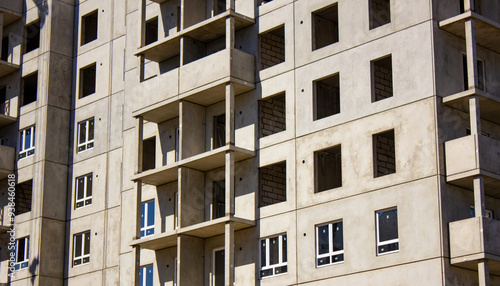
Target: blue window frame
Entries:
(146, 275)
(147, 218)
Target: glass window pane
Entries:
(151, 213)
(91, 129)
(80, 187)
(273, 251)
(87, 243)
(27, 254)
(89, 185)
(78, 245)
(20, 250)
(284, 250)
(388, 225)
(337, 237)
(143, 210)
(141, 273)
(149, 275)
(323, 246)
(27, 138)
(263, 253)
(82, 137)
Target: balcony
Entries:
(487, 31)
(203, 81)
(202, 230)
(6, 120)
(203, 162)
(489, 103)
(12, 11)
(7, 159)
(470, 156)
(475, 238)
(7, 68)
(206, 30)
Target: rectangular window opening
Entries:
(272, 115)
(85, 135)
(81, 248)
(87, 80)
(218, 199)
(218, 268)
(272, 183)
(219, 137)
(147, 218)
(149, 154)
(32, 32)
(27, 142)
(329, 244)
(380, 13)
(89, 28)
(30, 84)
(325, 27)
(272, 47)
(382, 78)
(328, 169)
(384, 153)
(489, 213)
(480, 73)
(219, 6)
(151, 31)
(5, 49)
(326, 96)
(4, 107)
(146, 275)
(24, 192)
(22, 253)
(83, 191)
(273, 256)
(387, 231)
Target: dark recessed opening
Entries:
(89, 28)
(32, 32)
(384, 154)
(30, 88)
(151, 31)
(272, 115)
(272, 184)
(149, 154)
(382, 79)
(326, 96)
(219, 131)
(325, 25)
(23, 197)
(380, 13)
(328, 169)
(272, 47)
(5, 49)
(218, 199)
(480, 73)
(87, 80)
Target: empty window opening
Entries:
(5, 49)
(30, 83)
(147, 218)
(22, 253)
(219, 6)
(86, 135)
(23, 197)
(272, 47)
(272, 182)
(149, 154)
(387, 231)
(328, 169)
(384, 153)
(87, 80)
(325, 25)
(381, 78)
(489, 213)
(151, 31)
(83, 196)
(326, 97)
(89, 28)
(329, 243)
(3, 100)
(219, 131)
(27, 142)
(81, 248)
(146, 275)
(218, 268)
(380, 13)
(272, 115)
(218, 199)
(273, 256)
(32, 32)
(480, 74)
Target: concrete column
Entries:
(229, 254)
(475, 115)
(483, 272)
(142, 24)
(1, 31)
(229, 183)
(230, 33)
(230, 5)
(137, 249)
(468, 5)
(470, 41)
(230, 113)
(140, 139)
(479, 205)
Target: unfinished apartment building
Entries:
(231, 142)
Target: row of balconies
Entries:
(466, 158)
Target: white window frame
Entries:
(87, 143)
(386, 242)
(144, 215)
(82, 255)
(280, 256)
(144, 270)
(24, 151)
(87, 185)
(213, 262)
(330, 244)
(22, 262)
